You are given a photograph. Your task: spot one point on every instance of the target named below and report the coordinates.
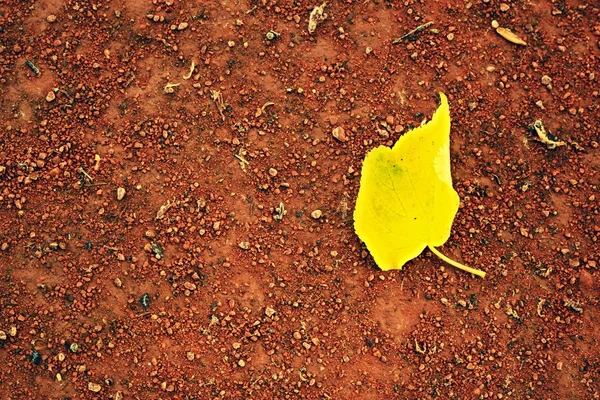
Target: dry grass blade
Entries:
(415, 31)
(240, 156)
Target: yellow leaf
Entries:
(406, 201)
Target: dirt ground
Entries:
(157, 236)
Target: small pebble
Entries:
(51, 18)
(339, 133)
(182, 26)
(316, 214)
(190, 355)
(546, 80)
(273, 172)
(559, 365)
(504, 7)
(236, 345)
(120, 193)
(242, 363)
(50, 96)
(495, 24)
(2, 335)
(297, 335)
(12, 332)
(94, 387)
(450, 36)
(231, 43)
(269, 312)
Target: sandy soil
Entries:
(156, 233)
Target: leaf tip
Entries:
(443, 98)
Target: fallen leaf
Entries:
(406, 201)
(510, 36)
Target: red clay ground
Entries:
(241, 304)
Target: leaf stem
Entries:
(457, 264)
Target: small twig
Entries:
(97, 184)
(242, 159)
(217, 98)
(86, 174)
(255, 380)
(131, 78)
(418, 29)
(66, 94)
(497, 179)
(143, 314)
(122, 211)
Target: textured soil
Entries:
(209, 276)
